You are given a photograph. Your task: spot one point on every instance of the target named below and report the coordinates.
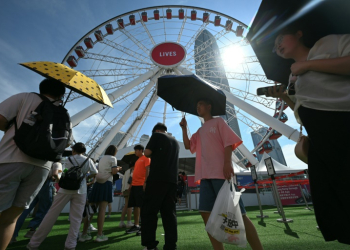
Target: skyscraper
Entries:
(276, 153)
(210, 67)
(115, 141)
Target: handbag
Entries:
(102, 177)
(301, 149)
(225, 223)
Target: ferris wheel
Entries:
(127, 53)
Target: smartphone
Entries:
(264, 90)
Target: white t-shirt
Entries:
(105, 165)
(88, 166)
(19, 105)
(125, 184)
(56, 166)
(323, 91)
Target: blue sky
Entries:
(40, 30)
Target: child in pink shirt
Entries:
(213, 144)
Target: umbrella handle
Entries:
(67, 98)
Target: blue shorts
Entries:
(209, 190)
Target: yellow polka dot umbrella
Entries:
(73, 80)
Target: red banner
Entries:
(291, 195)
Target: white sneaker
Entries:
(129, 224)
(91, 228)
(122, 224)
(101, 238)
(84, 237)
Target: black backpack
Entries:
(72, 178)
(48, 135)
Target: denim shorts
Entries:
(209, 190)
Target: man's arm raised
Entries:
(186, 140)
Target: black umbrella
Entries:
(129, 158)
(314, 17)
(124, 166)
(183, 93)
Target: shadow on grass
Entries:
(261, 222)
(289, 231)
(294, 233)
(107, 244)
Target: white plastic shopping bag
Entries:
(225, 223)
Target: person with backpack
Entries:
(73, 189)
(23, 172)
(44, 199)
(102, 190)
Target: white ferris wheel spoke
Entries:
(127, 51)
(195, 35)
(138, 122)
(164, 113)
(182, 27)
(102, 133)
(146, 29)
(163, 18)
(134, 39)
(117, 83)
(113, 59)
(112, 72)
(116, 128)
(244, 119)
(94, 108)
(245, 95)
(233, 75)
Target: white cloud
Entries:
(291, 159)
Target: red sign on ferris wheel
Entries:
(168, 54)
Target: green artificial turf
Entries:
(301, 234)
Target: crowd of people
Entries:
(153, 184)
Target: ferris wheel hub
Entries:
(168, 55)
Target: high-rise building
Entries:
(210, 67)
(144, 138)
(276, 153)
(115, 141)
